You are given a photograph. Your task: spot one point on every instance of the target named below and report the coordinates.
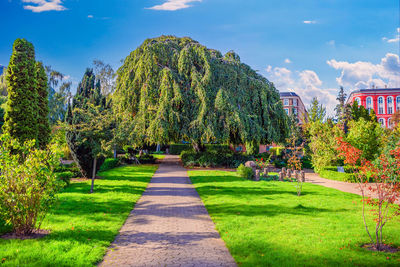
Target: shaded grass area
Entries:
(266, 224)
(82, 225)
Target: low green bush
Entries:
(338, 176)
(306, 163)
(245, 172)
(147, 159)
(280, 163)
(110, 163)
(69, 168)
(216, 157)
(65, 177)
(176, 149)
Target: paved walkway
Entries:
(314, 178)
(169, 226)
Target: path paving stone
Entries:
(169, 226)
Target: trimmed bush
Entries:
(220, 157)
(276, 151)
(110, 163)
(176, 149)
(65, 177)
(280, 163)
(245, 172)
(147, 159)
(338, 176)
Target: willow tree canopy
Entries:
(177, 89)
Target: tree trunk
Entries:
(93, 174)
(199, 147)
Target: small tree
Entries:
(96, 126)
(385, 173)
(28, 185)
(340, 108)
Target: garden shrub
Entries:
(276, 151)
(219, 157)
(147, 159)
(65, 177)
(280, 163)
(28, 184)
(245, 172)
(68, 168)
(176, 149)
(306, 163)
(328, 173)
(110, 163)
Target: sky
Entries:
(311, 47)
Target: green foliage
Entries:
(245, 172)
(147, 159)
(110, 163)
(280, 163)
(65, 177)
(69, 168)
(359, 112)
(316, 112)
(22, 108)
(176, 89)
(84, 119)
(333, 174)
(176, 149)
(276, 151)
(340, 108)
(323, 143)
(43, 124)
(3, 101)
(366, 136)
(28, 185)
(213, 158)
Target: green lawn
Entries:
(82, 225)
(265, 223)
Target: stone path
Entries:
(169, 226)
(314, 178)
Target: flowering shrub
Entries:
(28, 185)
(385, 173)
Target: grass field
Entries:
(82, 225)
(266, 224)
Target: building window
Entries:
(295, 111)
(398, 103)
(295, 102)
(381, 106)
(287, 111)
(286, 102)
(382, 122)
(390, 105)
(358, 100)
(390, 123)
(369, 103)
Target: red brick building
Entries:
(292, 103)
(384, 102)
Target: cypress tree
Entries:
(22, 104)
(43, 106)
(177, 89)
(88, 92)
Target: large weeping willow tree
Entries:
(177, 89)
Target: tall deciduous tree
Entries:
(22, 109)
(177, 89)
(106, 75)
(88, 94)
(43, 106)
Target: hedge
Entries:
(176, 149)
(109, 163)
(332, 174)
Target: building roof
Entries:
(285, 94)
(373, 91)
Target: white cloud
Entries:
(331, 43)
(396, 39)
(90, 16)
(362, 74)
(172, 5)
(305, 83)
(309, 21)
(288, 61)
(44, 5)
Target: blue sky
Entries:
(310, 47)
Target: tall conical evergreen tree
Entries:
(341, 106)
(88, 92)
(22, 104)
(177, 89)
(43, 106)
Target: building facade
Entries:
(385, 102)
(292, 103)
